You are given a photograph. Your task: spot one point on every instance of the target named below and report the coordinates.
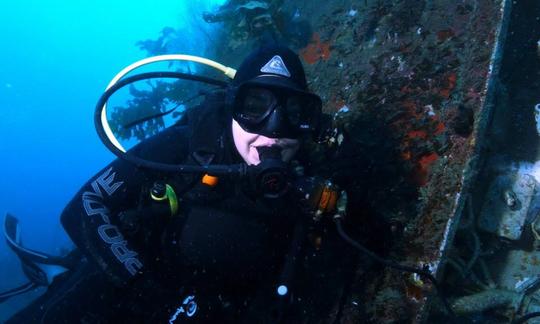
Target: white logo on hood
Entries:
(276, 66)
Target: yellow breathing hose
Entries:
(229, 72)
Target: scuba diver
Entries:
(234, 235)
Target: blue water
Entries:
(56, 58)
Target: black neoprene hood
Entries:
(252, 71)
(279, 68)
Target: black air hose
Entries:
(526, 317)
(394, 265)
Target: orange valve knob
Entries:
(210, 180)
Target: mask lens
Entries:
(295, 110)
(276, 111)
(303, 112)
(256, 104)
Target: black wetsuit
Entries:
(226, 247)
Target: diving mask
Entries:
(276, 113)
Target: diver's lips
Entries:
(281, 147)
(280, 143)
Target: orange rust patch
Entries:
(439, 129)
(424, 164)
(449, 86)
(406, 155)
(452, 78)
(418, 128)
(405, 89)
(316, 50)
(336, 102)
(410, 105)
(426, 160)
(417, 134)
(444, 34)
(413, 291)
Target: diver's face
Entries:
(247, 143)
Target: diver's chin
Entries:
(253, 156)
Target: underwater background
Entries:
(433, 100)
(57, 58)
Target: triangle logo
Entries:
(276, 66)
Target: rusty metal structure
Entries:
(416, 86)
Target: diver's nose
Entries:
(277, 123)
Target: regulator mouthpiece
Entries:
(271, 175)
(269, 153)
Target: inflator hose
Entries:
(233, 169)
(228, 71)
(5, 295)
